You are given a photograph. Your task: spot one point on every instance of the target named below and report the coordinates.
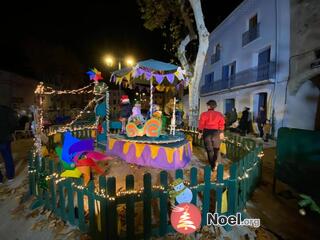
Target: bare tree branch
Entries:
(187, 21)
(182, 53)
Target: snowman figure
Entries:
(180, 192)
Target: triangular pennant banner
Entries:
(148, 75)
(159, 78)
(170, 77)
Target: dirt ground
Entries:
(279, 216)
(279, 213)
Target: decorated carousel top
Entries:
(152, 72)
(156, 74)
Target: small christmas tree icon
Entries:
(184, 220)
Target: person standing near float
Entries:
(125, 112)
(211, 127)
(8, 124)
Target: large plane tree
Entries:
(183, 21)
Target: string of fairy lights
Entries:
(138, 192)
(42, 90)
(45, 90)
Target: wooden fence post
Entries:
(112, 218)
(70, 201)
(103, 207)
(163, 198)
(233, 190)
(194, 182)
(81, 217)
(32, 180)
(91, 204)
(129, 207)
(51, 188)
(206, 194)
(147, 195)
(220, 187)
(179, 174)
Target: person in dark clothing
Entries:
(125, 112)
(261, 120)
(8, 124)
(244, 122)
(22, 121)
(232, 116)
(211, 126)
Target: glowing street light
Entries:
(130, 61)
(110, 61)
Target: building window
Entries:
(264, 66)
(209, 78)
(253, 22)
(216, 56)
(229, 71)
(253, 32)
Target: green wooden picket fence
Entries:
(96, 209)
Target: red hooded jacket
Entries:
(211, 120)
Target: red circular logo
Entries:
(185, 218)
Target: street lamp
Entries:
(110, 61)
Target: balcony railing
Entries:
(251, 35)
(251, 75)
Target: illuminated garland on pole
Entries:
(151, 97)
(107, 113)
(41, 89)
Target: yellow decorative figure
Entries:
(75, 173)
(44, 151)
(93, 133)
(224, 206)
(223, 148)
(57, 138)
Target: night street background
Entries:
(86, 30)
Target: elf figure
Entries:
(125, 112)
(136, 116)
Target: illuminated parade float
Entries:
(147, 143)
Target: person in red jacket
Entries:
(211, 126)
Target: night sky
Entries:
(88, 30)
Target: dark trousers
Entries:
(260, 129)
(5, 149)
(212, 144)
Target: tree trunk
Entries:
(182, 53)
(201, 55)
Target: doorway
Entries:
(259, 100)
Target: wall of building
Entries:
(274, 20)
(302, 94)
(302, 107)
(16, 91)
(243, 98)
